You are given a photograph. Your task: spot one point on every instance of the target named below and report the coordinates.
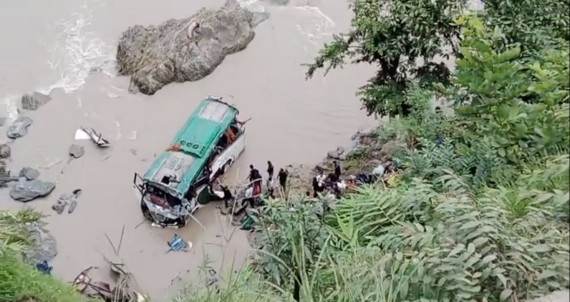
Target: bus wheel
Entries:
(146, 211)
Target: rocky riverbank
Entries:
(366, 152)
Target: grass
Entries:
(22, 282)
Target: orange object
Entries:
(256, 188)
(174, 148)
(230, 135)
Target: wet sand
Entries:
(293, 121)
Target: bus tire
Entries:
(146, 211)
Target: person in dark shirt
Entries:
(253, 173)
(270, 169)
(283, 179)
(316, 187)
(227, 196)
(332, 179)
(336, 169)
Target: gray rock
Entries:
(19, 127)
(3, 121)
(29, 173)
(27, 190)
(59, 205)
(5, 151)
(43, 247)
(338, 153)
(73, 202)
(65, 200)
(155, 56)
(76, 151)
(33, 101)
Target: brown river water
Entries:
(67, 47)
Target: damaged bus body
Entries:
(204, 148)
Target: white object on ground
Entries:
(81, 135)
(218, 193)
(379, 170)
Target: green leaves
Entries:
(515, 102)
(394, 35)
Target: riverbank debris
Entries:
(84, 133)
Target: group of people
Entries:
(320, 182)
(332, 181)
(256, 179)
(254, 190)
(336, 185)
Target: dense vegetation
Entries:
(480, 210)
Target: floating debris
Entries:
(177, 243)
(84, 133)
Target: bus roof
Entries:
(196, 141)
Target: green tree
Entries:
(534, 24)
(403, 38)
(495, 81)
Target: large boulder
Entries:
(179, 51)
(27, 190)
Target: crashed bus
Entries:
(204, 148)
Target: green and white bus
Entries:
(204, 148)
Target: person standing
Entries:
(270, 170)
(315, 184)
(253, 174)
(336, 169)
(282, 175)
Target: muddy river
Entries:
(67, 47)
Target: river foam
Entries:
(78, 52)
(72, 55)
